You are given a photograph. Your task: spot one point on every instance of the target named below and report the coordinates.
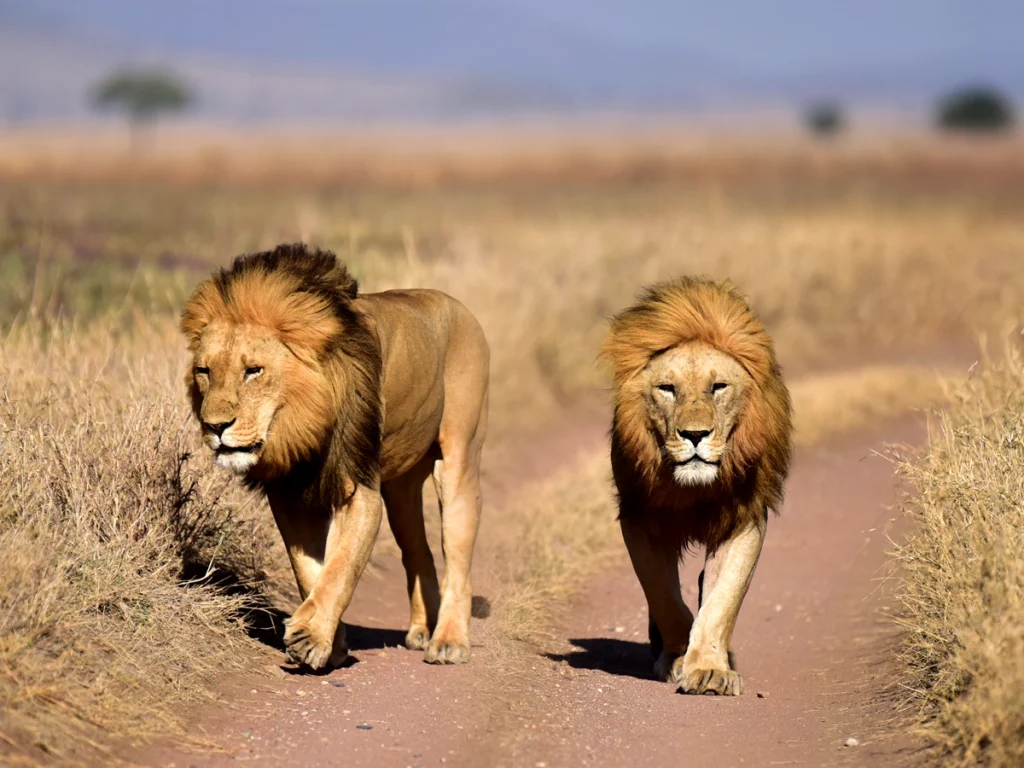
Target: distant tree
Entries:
(975, 109)
(143, 95)
(824, 119)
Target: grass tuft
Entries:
(962, 591)
(114, 610)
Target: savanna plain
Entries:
(138, 584)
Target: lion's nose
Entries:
(218, 427)
(694, 435)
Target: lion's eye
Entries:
(668, 389)
(718, 386)
(201, 371)
(253, 372)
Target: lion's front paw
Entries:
(307, 642)
(723, 682)
(447, 648)
(417, 638)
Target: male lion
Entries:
(333, 402)
(701, 443)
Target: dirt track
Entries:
(812, 639)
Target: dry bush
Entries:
(126, 571)
(962, 569)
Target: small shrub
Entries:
(979, 110)
(825, 119)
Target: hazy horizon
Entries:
(271, 60)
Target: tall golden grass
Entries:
(126, 571)
(134, 571)
(963, 573)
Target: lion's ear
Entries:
(199, 311)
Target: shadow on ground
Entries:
(616, 657)
(266, 625)
(264, 621)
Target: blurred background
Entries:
(855, 168)
(745, 63)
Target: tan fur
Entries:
(334, 403)
(701, 445)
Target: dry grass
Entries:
(100, 636)
(833, 404)
(125, 571)
(421, 157)
(963, 573)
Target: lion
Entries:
(701, 442)
(337, 404)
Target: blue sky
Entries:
(645, 53)
(745, 37)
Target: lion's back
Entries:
(430, 315)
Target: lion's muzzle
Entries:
(695, 461)
(229, 452)
(238, 459)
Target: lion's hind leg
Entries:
(403, 500)
(457, 480)
(709, 666)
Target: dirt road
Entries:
(812, 643)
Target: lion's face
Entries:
(237, 381)
(695, 398)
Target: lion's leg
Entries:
(310, 632)
(457, 481)
(657, 567)
(403, 500)
(305, 537)
(706, 667)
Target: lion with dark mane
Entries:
(339, 405)
(701, 444)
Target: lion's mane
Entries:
(754, 470)
(330, 430)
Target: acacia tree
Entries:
(142, 95)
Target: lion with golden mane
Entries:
(701, 444)
(339, 405)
